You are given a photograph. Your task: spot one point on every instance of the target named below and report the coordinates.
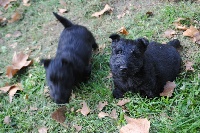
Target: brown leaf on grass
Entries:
(62, 10)
(113, 114)
(42, 130)
(107, 8)
(101, 105)
(178, 24)
(102, 115)
(123, 31)
(78, 128)
(62, 2)
(7, 120)
(136, 126)
(168, 89)
(13, 91)
(169, 33)
(26, 2)
(4, 3)
(5, 89)
(59, 114)
(188, 66)
(8, 35)
(149, 14)
(85, 109)
(19, 61)
(191, 31)
(15, 17)
(123, 102)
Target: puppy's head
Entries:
(127, 55)
(59, 75)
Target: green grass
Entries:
(180, 113)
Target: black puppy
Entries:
(72, 62)
(142, 66)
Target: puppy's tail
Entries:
(65, 22)
(175, 43)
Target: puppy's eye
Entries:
(119, 52)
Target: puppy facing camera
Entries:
(144, 67)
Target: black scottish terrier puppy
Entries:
(143, 67)
(71, 64)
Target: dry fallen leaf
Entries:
(26, 3)
(102, 115)
(136, 126)
(169, 33)
(19, 61)
(168, 89)
(15, 17)
(190, 32)
(13, 90)
(78, 128)
(7, 120)
(107, 8)
(62, 10)
(101, 105)
(188, 66)
(178, 24)
(85, 109)
(123, 102)
(113, 114)
(59, 114)
(123, 31)
(42, 130)
(4, 3)
(149, 14)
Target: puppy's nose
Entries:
(123, 68)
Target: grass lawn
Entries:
(40, 34)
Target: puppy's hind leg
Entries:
(117, 93)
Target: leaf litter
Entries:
(18, 62)
(168, 89)
(11, 90)
(101, 105)
(123, 102)
(107, 8)
(42, 130)
(135, 125)
(7, 120)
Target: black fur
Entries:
(71, 64)
(143, 67)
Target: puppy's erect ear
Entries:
(45, 62)
(115, 37)
(142, 44)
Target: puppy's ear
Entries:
(115, 37)
(142, 44)
(45, 62)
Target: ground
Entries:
(40, 34)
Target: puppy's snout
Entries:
(123, 68)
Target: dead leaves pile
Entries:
(19, 61)
(133, 126)
(191, 31)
